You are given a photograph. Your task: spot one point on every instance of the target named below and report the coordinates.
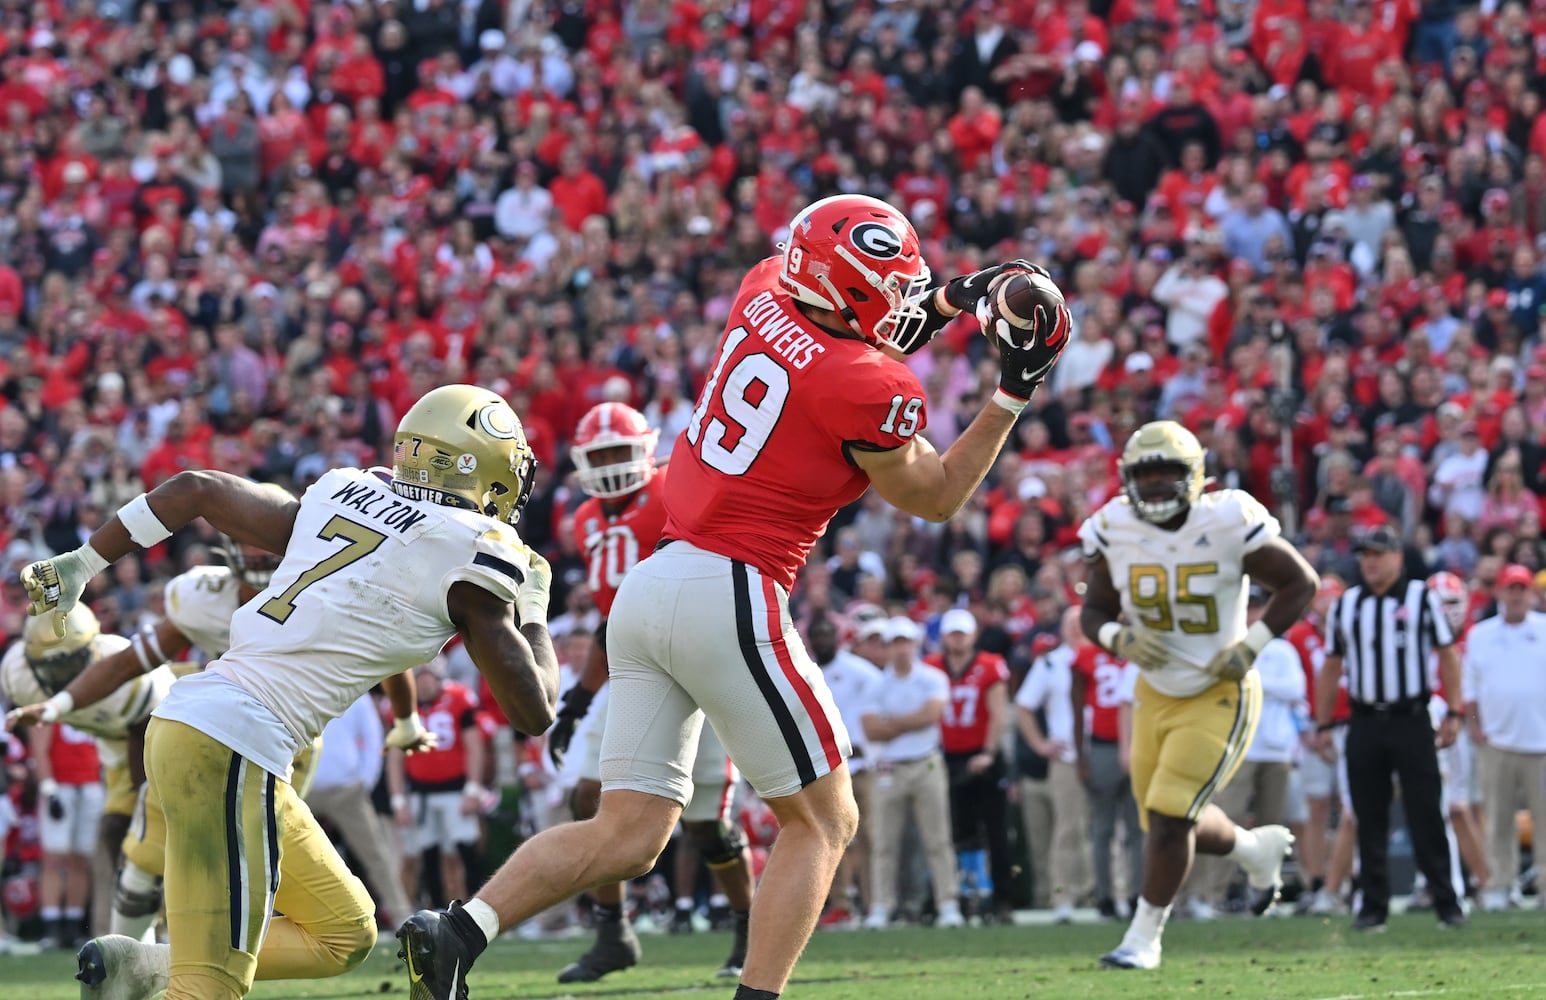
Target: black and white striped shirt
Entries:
(1386, 642)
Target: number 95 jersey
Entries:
(766, 459)
(1188, 586)
(613, 542)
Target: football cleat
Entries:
(1126, 956)
(437, 957)
(741, 922)
(616, 948)
(1264, 873)
(116, 967)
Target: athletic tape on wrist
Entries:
(1014, 404)
(144, 526)
(1108, 635)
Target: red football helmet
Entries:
(614, 425)
(859, 257)
(1453, 596)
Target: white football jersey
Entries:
(200, 603)
(1189, 586)
(359, 596)
(110, 719)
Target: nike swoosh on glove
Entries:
(1025, 357)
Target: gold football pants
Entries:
(241, 845)
(1186, 749)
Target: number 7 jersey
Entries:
(1188, 586)
(766, 459)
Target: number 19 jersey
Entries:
(359, 596)
(1188, 586)
(766, 459)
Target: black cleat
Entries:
(92, 967)
(737, 960)
(681, 921)
(1370, 923)
(616, 948)
(1453, 920)
(437, 957)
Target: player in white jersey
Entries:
(42, 665)
(199, 604)
(1169, 572)
(380, 569)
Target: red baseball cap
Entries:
(1515, 575)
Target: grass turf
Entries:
(1294, 959)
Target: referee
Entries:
(1384, 632)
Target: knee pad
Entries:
(720, 844)
(138, 893)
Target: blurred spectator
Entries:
(901, 729)
(1049, 688)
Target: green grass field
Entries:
(1301, 958)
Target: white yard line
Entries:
(1445, 992)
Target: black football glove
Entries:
(571, 709)
(962, 292)
(1026, 356)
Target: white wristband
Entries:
(399, 801)
(1108, 635)
(1014, 404)
(473, 788)
(48, 788)
(91, 559)
(60, 704)
(1258, 635)
(144, 526)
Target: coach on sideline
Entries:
(1506, 697)
(1382, 632)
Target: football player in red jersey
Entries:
(436, 794)
(1098, 681)
(972, 732)
(614, 458)
(807, 406)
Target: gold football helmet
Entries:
(462, 446)
(55, 662)
(1160, 445)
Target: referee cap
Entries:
(1381, 538)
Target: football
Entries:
(1026, 303)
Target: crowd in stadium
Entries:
(248, 236)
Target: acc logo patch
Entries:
(466, 464)
(876, 240)
(441, 462)
(497, 421)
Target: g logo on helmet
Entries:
(876, 240)
(496, 423)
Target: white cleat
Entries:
(1201, 909)
(1264, 872)
(878, 920)
(1127, 956)
(116, 967)
(950, 916)
(1327, 904)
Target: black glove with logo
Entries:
(962, 292)
(1022, 369)
(571, 709)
